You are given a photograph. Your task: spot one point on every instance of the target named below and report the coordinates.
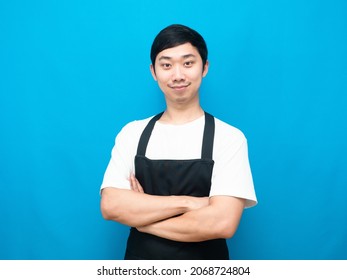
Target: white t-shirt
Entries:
(231, 174)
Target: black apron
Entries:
(175, 177)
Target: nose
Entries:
(178, 74)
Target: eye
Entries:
(188, 63)
(166, 65)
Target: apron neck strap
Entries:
(146, 134)
(207, 143)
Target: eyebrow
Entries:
(169, 57)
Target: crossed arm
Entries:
(179, 218)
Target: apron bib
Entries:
(175, 177)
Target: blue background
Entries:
(72, 73)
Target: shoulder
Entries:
(131, 132)
(135, 126)
(228, 141)
(228, 134)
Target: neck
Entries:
(180, 115)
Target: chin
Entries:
(181, 100)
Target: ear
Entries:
(153, 72)
(205, 70)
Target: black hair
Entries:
(175, 35)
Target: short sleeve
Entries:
(232, 174)
(120, 165)
(117, 171)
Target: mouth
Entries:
(179, 87)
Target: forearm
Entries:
(192, 226)
(139, 209)
(211, 222)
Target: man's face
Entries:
(179, 72)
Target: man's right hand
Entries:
(193, 202)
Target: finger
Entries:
(135, 185)
(132, 182)
(139, 187)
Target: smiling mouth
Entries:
(179, 87)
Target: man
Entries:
(180, 179)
